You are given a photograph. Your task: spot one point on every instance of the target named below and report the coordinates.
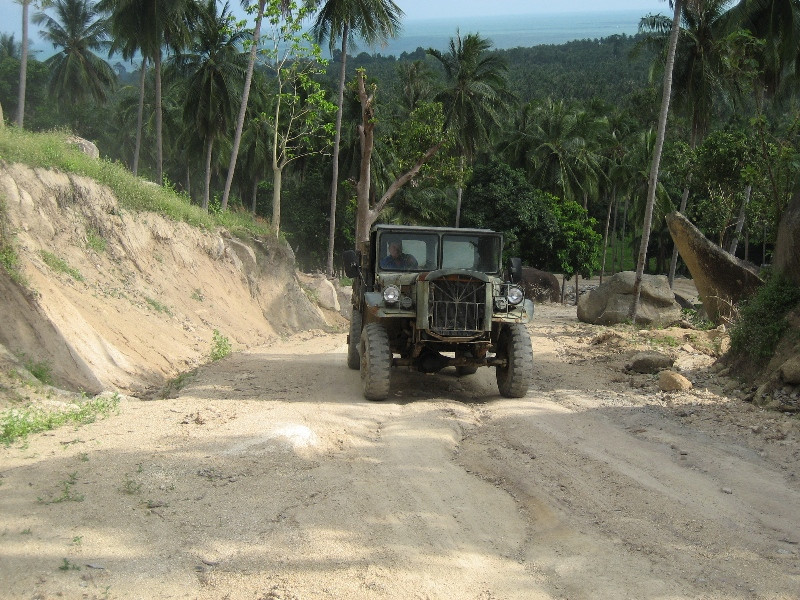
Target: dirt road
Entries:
(269, 477)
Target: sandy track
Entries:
(269, 477)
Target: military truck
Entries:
(435, 297)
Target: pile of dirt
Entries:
(115, 299)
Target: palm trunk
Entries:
(459, 192)
(23, 65)
(740, 221)
(207, 189)
(237, 137)
(139, 119)
(336, 143)
(254, 196)
(605, 235)
(159, 137)
(653, 183)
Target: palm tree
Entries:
(373, 21)
(653, 181)
(153, 25)
(126, 27)
(76, 72)
(557, 145)
(698, 70)
(23, 63)
(778, 23)
(213, 69)
(8, 47)
(475, 96)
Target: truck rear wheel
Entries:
(376, 362)
(353, 357)
(514, 345)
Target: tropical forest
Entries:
(295, 119)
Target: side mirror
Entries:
(350, 261)
(515, 269)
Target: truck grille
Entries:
(457, 306)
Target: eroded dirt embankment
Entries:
(136, 297)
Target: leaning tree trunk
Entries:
(653, 183)
(337, 140)
(139, 119)
(237, 136)
(673, 263)
(23, 65)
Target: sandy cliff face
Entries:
(144, 293)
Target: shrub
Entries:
(762, 319)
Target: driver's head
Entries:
(394, 249)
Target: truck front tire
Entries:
(353, 341)
(376, 362)
(514, 345)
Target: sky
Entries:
(11, 12)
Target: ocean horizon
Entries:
(505, 31)
(510, 31)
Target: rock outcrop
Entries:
(722, 280)
(787, 246)
(120, 300)
(611, 302)
(540, 286)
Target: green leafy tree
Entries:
(344, 21)
(299, 124)
(499, 197)
(578, 243)
(475, 97)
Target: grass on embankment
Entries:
(51, 151)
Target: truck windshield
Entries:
(474, 252)
(408, 252)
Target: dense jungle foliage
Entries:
(551, 144)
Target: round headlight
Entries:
(515, 295)
(391, 294)
(500, 303)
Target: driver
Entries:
(397, 260)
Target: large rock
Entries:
(85, 146)
(322, 290)
(787, 246)
(722, 280)
(649, 362)
(540, 285)
(611, 302)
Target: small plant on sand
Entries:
(67, 493)
(95, 241)
(158, 306)
(220, 346)
(17, 423)
(68, 566)
(59, 265)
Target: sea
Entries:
(511, 31)
(505, 31)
